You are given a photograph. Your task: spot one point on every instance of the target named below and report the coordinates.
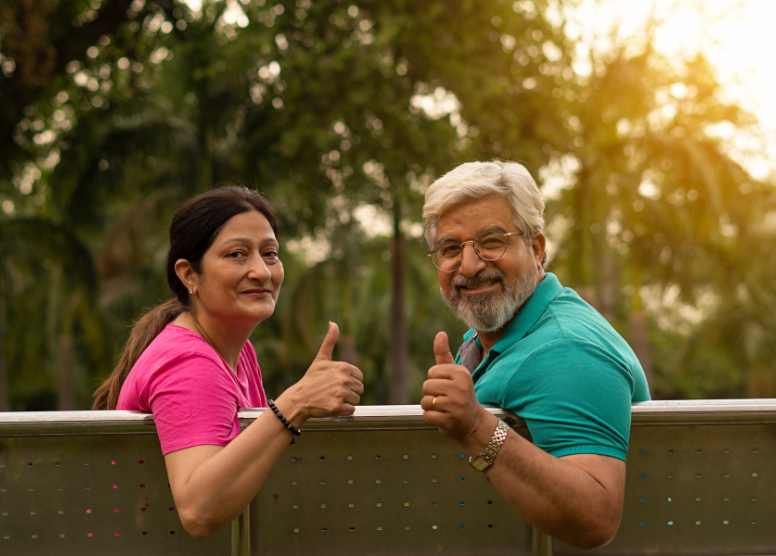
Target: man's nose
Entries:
(471, 263)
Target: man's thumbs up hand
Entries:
(449, 401)
(442, 350)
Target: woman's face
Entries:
(241, 273)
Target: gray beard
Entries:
(488, 312)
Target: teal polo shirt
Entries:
(563, 368)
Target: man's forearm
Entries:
(559, 496)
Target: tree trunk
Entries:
(347, 341)
(759, 382)
(3, 376)
(66, 393)
(605, 279)
(347, 349)
(639, 342)
(206, 156)
(579, 245)
(398, 392)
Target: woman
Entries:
(189, 362)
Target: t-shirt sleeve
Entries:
(194, 403)
(575, 398)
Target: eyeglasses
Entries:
(489, 245)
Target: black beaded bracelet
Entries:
(295, 431)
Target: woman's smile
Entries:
(257, 293)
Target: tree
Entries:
(343, 115)
(650, 185)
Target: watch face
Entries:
(479, 464)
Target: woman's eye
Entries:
(235, 254)
(272, 255)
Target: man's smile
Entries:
(481, 287)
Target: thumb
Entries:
(327, 346)
(442, 350)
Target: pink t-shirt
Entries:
(191, 391)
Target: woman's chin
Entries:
(260, 314)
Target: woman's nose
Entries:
(259, 270)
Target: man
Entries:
(535, 348)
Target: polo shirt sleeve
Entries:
(575, 398)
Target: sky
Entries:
(736, 36)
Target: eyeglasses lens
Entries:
(488, 245)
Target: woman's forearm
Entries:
(212, 485)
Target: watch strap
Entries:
(493, 447)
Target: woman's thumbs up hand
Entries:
(328, 388)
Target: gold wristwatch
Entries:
(485, 459)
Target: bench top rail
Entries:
(665, 412)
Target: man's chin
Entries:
(476, 310)
(490, 311)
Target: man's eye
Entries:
(491, 243)
(449, 250)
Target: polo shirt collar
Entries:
(529, 313)
(526, 317)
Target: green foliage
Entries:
(117, 112)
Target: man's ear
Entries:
(538, 246)
(186, 274)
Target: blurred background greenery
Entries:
(113, 112)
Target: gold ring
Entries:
(433, 404)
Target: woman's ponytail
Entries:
(143, 333)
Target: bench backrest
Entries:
(89, 483)
(383, 482)
(701, 480)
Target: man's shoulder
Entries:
(568, 317)
(568, 309)
(568, 329)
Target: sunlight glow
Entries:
(736, 37)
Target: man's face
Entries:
(486, 295)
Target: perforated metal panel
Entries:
(91, 494)
(698, 489)
(382, 492)
(701, 480)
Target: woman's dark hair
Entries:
(192, 231)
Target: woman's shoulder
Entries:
(172, 345)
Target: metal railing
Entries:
(700, 481)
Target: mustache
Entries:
(484, 275)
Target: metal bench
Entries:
(700, 481)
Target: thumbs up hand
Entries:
(442, 350)
(449, 401)
(328, 388)
(327, 346)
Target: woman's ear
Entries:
(186, 274)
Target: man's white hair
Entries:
(474, 180)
